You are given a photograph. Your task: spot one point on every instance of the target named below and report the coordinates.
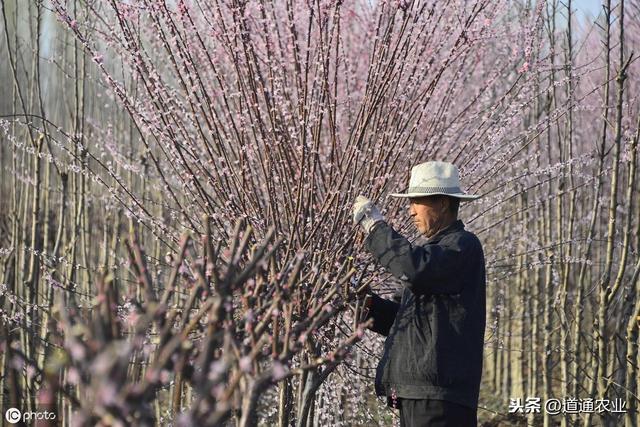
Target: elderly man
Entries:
(432, 360)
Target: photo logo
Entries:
(12, 415)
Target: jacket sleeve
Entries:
(432, 268)
(383, 313)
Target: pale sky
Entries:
(588, 7)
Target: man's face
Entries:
(429, 213)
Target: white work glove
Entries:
(366, 213)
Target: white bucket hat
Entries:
(432, 178)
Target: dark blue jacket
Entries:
(435, 330)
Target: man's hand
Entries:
(366, 213)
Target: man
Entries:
(432, 360)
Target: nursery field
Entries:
(177, 180)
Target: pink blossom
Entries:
(77, 350)
(245, 364)
(524, 68)
(278, 371)
(73, 376)
(164, 376)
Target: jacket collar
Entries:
(456, 225)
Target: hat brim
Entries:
(461, 196)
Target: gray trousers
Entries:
(435, 413)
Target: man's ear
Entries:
(444, 204)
